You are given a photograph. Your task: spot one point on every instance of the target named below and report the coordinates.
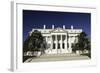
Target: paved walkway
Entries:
(57, 57)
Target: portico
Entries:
(59, 42)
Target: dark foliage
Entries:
(34, 42)
(83, 43)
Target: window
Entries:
(58, 37)
(53, 37)
(58, 45)
(63, 45)
(48, 46)
(72, 44)
(76, 39)
(48, 38)
(63, 37)
(53, 45)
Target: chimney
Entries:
(44, 26)
(71, 26)
(52, 26)
(63, 26)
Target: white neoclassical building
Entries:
(59, 39)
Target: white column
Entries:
(56, 42)
(46, 38)
(66, 42)
(61, 42)
(61, 49)
(51, 42)
(70, 49)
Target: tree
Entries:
(82, 40)
(88, 45)
(35, 42)
(25, 44)
(75, 47)
(83, 43)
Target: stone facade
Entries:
(59, 40)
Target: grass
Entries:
(27, 57)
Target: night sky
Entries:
(36, 19)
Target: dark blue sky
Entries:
(36, 19)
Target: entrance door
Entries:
(59, 49)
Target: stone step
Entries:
(58, 55)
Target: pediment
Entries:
(58, 30)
